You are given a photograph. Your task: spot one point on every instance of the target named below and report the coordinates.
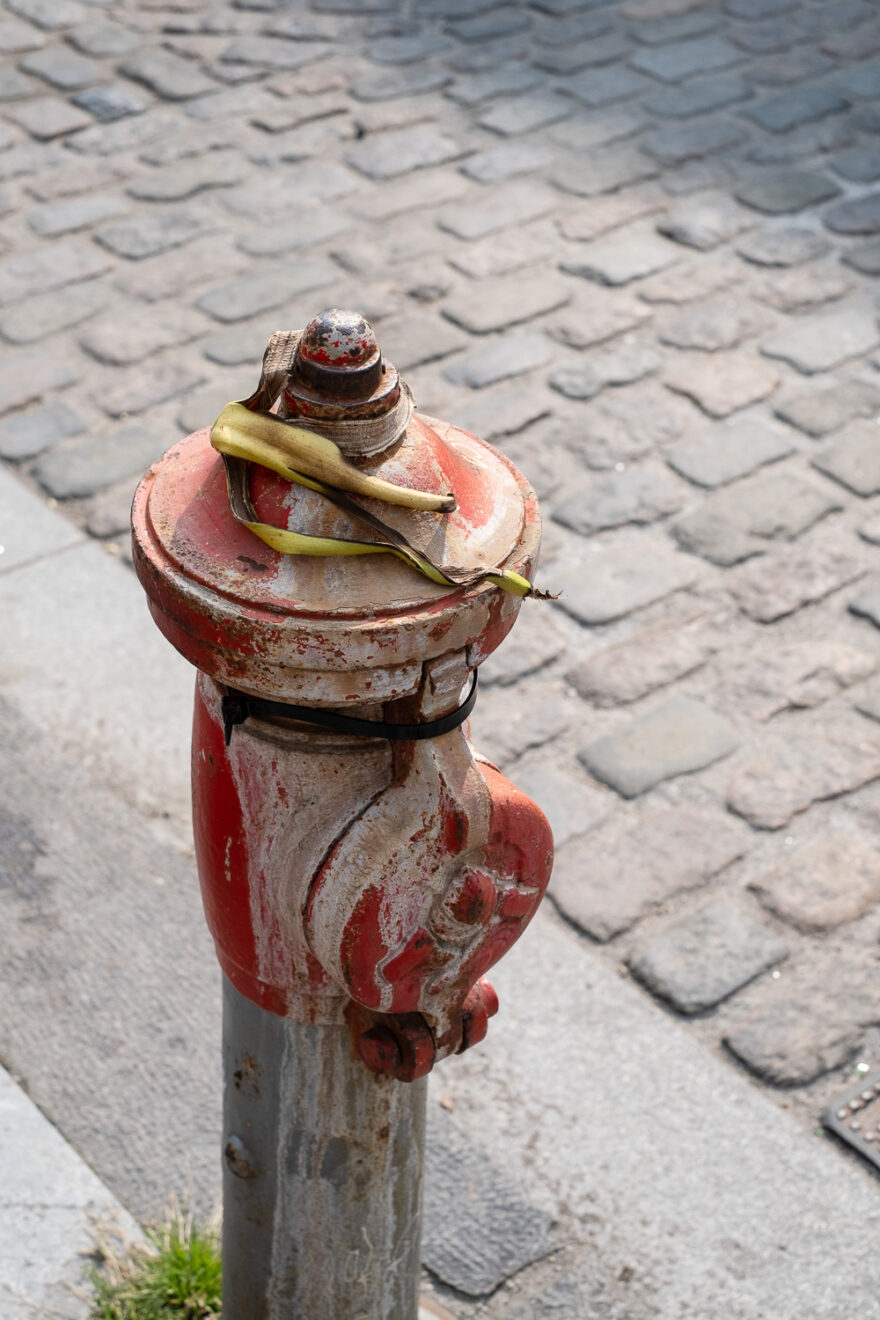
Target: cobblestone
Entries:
(23, 435)
(707, 956)
(721, 323)
(622, 257)
(505, 357)
(677, 60)
(788, 776)
(792, 578)
(865, 258)
(68, 216)
(655, 657)
(47, 117)
(830, 881)
(705, 223)
(698, 97)
(506, 302)
(86, 466)
(266, 290)
(620, 363)
(793, 1041)
(641, 495)
(820, 411)
(804, 288)
(23, 275)
(167, 75)
(737, 523)
(729, 452)
(821, 342)
(620, 575)
(853, 459)
(119, 339)
(724, 385)
(781, 192)
(514, 202)
(37, 318)
(114, 101)
(676, 738)
(174, 183)
(790, 109)
(61, 68)
(606, 880)
(861, 216)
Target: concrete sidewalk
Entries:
(653, 1181)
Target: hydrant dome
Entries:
(339, 339)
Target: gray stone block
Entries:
(68, 216)
(526, 113)
(674, 145)
(724, 383)
(623, 256)
(601, 87)
(609, 878)
(641, 495)
(779, 192)
(704, 224)
(120, 339)
(834, 879)
(23, 435)
(167, 75)
(707, 956)
(737, 523)
(174, 183)
(792, 676)
(46, 117)
(792, 578)
(86, 466)
(618, 576)
(799, 106)
(854, 458)
(679, 60)
(37, 318)
(246, 297)
(698, 97)
(61, 67)
(785, 245)
(730, 452)
(506, 80)
(818, 343)
(618, 364)
(716, 324)
(506, 302)
(498, 164)
(865, 258)
(511, 355)
(793, 1041)
(104, 40)
(653, 658)
(786, 776)
(508, 205)
(677, 738)
(386, 155)
(151, 233)
(861, 165)
(111, 102)
(25, 379)
(861, 215)
(819, 411)
(570, 803)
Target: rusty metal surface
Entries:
(854, 1116)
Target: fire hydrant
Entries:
(361, 865)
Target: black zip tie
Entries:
(238, 706)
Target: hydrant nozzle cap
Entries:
(338, 356)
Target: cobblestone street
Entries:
(634, 245)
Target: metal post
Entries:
(322, 1177)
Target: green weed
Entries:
(176, 1276)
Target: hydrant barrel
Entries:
(361, 866)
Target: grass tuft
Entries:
(176, 1276)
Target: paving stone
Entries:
(610, 877)
(780, 192)
(266, 289)
(14, 85)
(791, 676)
(397, 152)
(736, 524)
(729, 452)
(24, 380)
(791, 578)
(833, 880)
(705, 223)
(87, 466)
(303, 109)
(16, 37)
(125, 135)
(854, 458)
(534, 644)
(22, 275)
(109, 513)
(819, 411)
(620, 574)
(678, 60)
(641, 495)
(677, 738)
(119, 338)
(503, 413)
(818, 343)
(506, 80)
(620, 363)
(200, 408)
(785, 245)
(689, 280)
(296, 188)
(795, 66)
(47, 117)
(584, 132)
(600, 87)
(866, 605)
(61, 67)
(232, 348)
(699, 97)
(51, 15)
(486, 27)
(604, 170)
(167, 75)
(26, 159)
(722, 385)
(408, 81)
(618, 258)
(805, 288)
(302, 230)
(174, 183)
(148, 385)
(609, 212)
(653, 658)
(719, 323)
(526, 113)
(750, 10)
(858, 216)
(795, 107)
(624, 425)
(861, 165)
(104, 40)
(506, 302)
(706, 956)
(514, 203)
(794, 1041)
(672, 145)
(151, 233)
(23, 435)
(400, 196)
(856, 44)
(411, 340)
(788, 775)
(865, 258)
(408, 49)
(509, 356)
(111, 102)
(46, 314)
(67, 217)
(511, 250)
(870, 531)
(857, 81)
(544, 717)
(583, 54)
(673, 27)
(602, 316)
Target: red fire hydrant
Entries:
(361, 866)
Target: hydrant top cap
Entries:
(339, 339)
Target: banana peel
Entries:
(243, 435)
